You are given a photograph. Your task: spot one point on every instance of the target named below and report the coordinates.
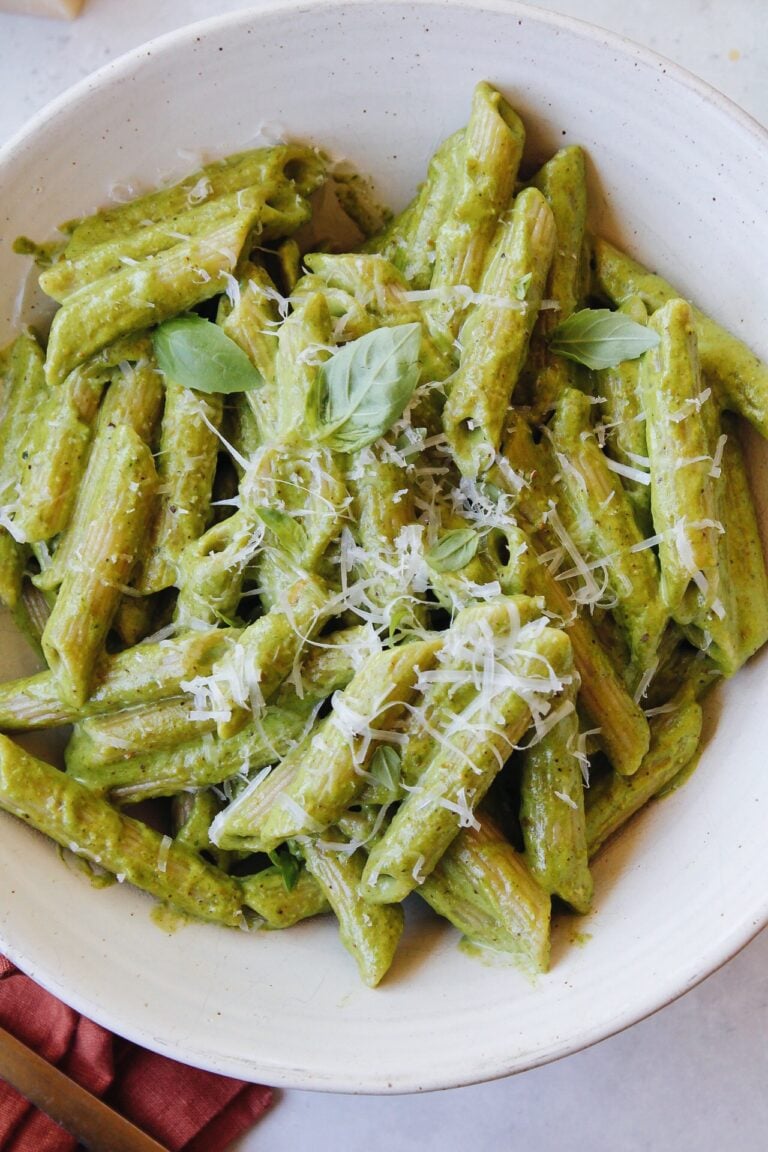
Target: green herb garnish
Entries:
(453, 550)
(385, 768)
(599, 338)
(366, 385)
(288, 532)
(288, 866)
(197, 354)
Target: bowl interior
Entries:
(680, 178)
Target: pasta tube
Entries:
(491, 154)
(129, 732)
(147, 769)
(486, 889)
(681, 434)
(212, 569)
(383, 508)
(304, 342)
(410, 240)
(56, 462)
(68, 276)
(623, 420)
(563, 183)
(142, 675)
(495, 336)
(55, 455)
(23, 381)
(552, 811)
(273, 169)
(475, 734)
(252, 322)
(77, 819)
(371, 934)
(134, 397)
(74, 636)
(133, 731)
(137, 756)
(139, 296)
(605, 526)
(189, 450)
(623, 729)
(331, 769)
(612, 800)
(732, 630)
(300, 495)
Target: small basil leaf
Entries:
(490, 490)
(385, 768)
(454, 550)
(230, 621)
(400, 619)
(365, 386)
(198, 354)
(599, 338)
(520, 286)
(288, 867)
(286, 530)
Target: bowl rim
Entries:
(584, 28)
(740, 934)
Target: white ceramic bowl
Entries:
(681, 177)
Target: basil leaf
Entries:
(454, 550)
(288, 867)
(401, 613)
(198, 354)
(286, 530)
(599, 338)
(520, 286)
(230, 621)
(490, 490)
(385, 768)
(365, 386)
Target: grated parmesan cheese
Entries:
(590, 593)
(645, 681)
(717, 459)
(627, 470)
(690, 406)
(416, 872)
(162, 854)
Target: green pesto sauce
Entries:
(682, 778)
(169, 919)
(96, 876)
(492, 958)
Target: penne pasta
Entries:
(377, 572)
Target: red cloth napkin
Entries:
(181, 1107)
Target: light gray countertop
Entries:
(693, 1076)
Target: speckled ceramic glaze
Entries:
(679, 176)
